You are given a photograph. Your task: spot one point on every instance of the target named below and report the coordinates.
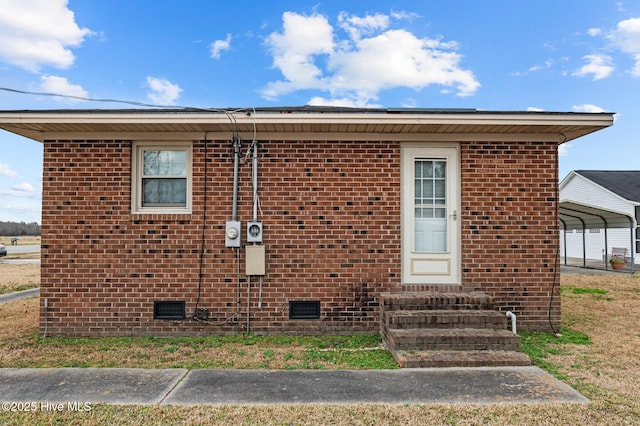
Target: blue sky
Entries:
(569, 55)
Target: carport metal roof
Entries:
(582, 217)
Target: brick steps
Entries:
(446, 319)
(432, 300)
(459, 339)
(429, 329)
(431, 359)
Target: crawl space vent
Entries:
(304, 309)
(173, 310)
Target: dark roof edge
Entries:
(302, 109)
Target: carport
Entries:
(582, 217)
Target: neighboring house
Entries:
(144, 234)
(599, 211)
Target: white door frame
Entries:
(442, 267)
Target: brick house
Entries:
(144, 232)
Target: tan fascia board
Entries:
(501, 119)
(316, 136)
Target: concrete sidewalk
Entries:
(126, 386)
(18, 295)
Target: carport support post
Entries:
(565, 245)
(606, 250)
(633, 266)
(584, 245)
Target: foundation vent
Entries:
(304, 309)
(169, 310)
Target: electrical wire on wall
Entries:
(199, 314)
(556, 259)
(202, 313)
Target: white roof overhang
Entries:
(314, 123)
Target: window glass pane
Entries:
(439, 188)
(179, 163)
(165, 163)
(427, 187)
(439, 169)
(170, 192)
(427, 169)
(430, 212)
(418, 190)
(150, 163)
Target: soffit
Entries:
(559, 126)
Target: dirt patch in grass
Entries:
(19, 277)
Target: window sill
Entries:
(162, 216)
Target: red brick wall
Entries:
(331, 230)
(509, 226)
(331, 214)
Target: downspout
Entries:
(512, 317)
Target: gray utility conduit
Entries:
(255, 204)
(236, 167)
(236, 146)
(255, 180)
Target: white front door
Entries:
(430, 188)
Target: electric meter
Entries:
(254, 232)
(232, 234)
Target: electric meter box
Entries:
(254, 232)
(232, 234)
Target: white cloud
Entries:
(358, 26)
(6, 171)
(370, 59)
(535, 109)
(36, 33)
(25, 187)
(162, 91)
(563, 149)
(405, 16)
(219, 46)
(598, 65)
(626, 37)
(547, 64)
(594, 32)
(61, 86)
(342, 102)
(587, 108)
(28, 210)
(22, 190)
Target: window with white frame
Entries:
(161, 177)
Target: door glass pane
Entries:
(430, 219)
